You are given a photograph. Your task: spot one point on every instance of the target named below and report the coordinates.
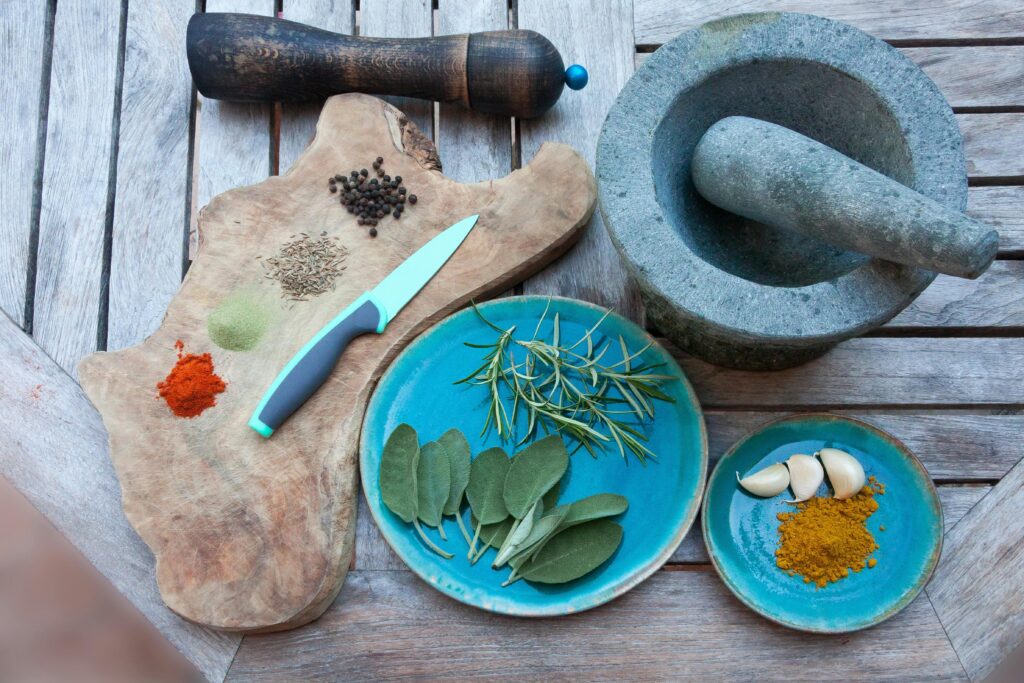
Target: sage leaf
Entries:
(487, 475)
(585, 510)
(459, 460)
(433, 475)
(574, 552)
(520, 531)
(534, 471)
(490, 535)
(398, 472)
(550, 498)
(545, 527)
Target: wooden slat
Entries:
(22, 51)
(473, 146)
(992, 143)
(956, 501)
(975, 76)
(978, 588)
(73, 210)
(54, 451)
(953, 446)
(151, 200)
(658, 21)
(879, 372)
(994, 300)
(232, 145)
(968, 76)
(61, 620)
(298, 121)
(677, 625)
(1002, 207)
(402, 19)
(599, 35)
(959, 447)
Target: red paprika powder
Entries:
(191, 386)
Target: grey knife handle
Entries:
(313, 364)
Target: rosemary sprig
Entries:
(567, 388)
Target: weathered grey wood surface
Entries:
(54, 451)
(298, 121)
(233, 142)
(944, 376)
(23, 50)
(402, 19)
(388, 625)
(873, 371)
(592, 271)
(978, 588)
(973, 76)
(924, 20)
(151, 212)
(73, 211)
(473, 146)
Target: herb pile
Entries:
(513, 504)
(306, 266)
(565, 387)
(371, 199)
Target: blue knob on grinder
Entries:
(576, 77)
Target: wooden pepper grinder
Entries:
(260, 59)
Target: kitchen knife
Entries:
(371, 312)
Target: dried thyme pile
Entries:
(307, 266)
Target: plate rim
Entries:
(630, 580)
(915, 462)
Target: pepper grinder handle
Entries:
(252, 58)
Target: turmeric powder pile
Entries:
(825, 538)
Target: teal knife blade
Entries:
(371, 312)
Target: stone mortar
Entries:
(731, 290)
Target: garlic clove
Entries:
(845, 473)
(805, 476)
(771, 481)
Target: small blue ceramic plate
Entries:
(741, 530)
(663, 496)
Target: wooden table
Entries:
(108, 153)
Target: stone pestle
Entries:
(779, 177)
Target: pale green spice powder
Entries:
(238, 323)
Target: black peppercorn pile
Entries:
(371, 199)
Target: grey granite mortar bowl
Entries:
(733, 291)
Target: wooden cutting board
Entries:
(254, 534)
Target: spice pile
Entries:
(513, 504)
(825, 538)
(371, 199)
(307, 267)
(238, 323)
(565, 387)
(191, 386)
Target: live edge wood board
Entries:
(254, 534)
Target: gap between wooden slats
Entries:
(658, 21)
(599, 36)
(27, 45)
(676, 625)
(233, 145)
(69, 308)
(402, 19)
(965, 452)
(970, 77)
(298, 120)
(151, 204)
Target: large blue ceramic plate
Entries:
(664, 496)
(741, 530)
